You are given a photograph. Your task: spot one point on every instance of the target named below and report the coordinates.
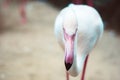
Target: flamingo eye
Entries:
(73, 37)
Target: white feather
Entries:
(90, 29)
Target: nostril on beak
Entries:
(68, 66)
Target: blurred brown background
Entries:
(30, 51)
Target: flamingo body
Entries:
(77, 28)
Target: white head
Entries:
(69, 31)
(70, 22)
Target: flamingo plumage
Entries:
(78, 28)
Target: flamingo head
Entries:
(69, 32)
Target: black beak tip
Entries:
(68, 66)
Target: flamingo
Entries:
(77, 29)
(88, 2)
(6, 3)
(23, 12)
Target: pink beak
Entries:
(69, 54)
(69, 50)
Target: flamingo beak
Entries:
(69, 54)
(69, 50)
